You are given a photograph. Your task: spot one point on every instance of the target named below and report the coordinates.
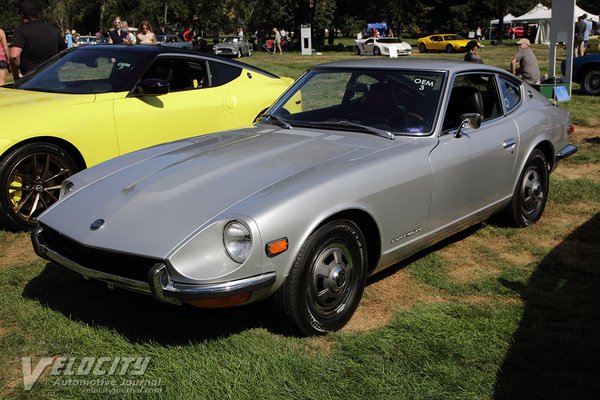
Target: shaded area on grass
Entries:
(141, 318)
(555, 350)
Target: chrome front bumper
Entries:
(159, 284)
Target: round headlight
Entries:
(237, 240)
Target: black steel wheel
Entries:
(591, 81)
(422, 48)
(531, 193)
(449, 49)
(30, 179)
(327, 279)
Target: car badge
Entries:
(97, 224)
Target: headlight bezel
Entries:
(237, 240)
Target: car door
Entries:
(368, 46)
(473, 171)
(194, 105)
(435, 43)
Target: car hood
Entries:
(149, 207)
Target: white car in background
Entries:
(381, 46)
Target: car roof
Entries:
(408, 64)
(155, 50)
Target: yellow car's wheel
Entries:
(30, 179)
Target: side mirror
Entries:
(151, 87)
(469, 120)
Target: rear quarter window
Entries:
(511, 93)
(223, 73)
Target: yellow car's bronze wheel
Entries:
(30, 179)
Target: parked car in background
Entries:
(586, 72)
(233, 46)
(381, 46)
(449, 43)
(359, 165)
(93, 103)
(171, 40)
(87, 40)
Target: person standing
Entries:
(33, 41)
(4, 57)
(579, 34)
(277, 42)
(478, 33)
(118, 35)
(530, 70)
(587, 32)
(130, 36)
(68, 39)
(145, 35)
(472, 54)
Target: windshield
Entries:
(230, 39)
(397, 101)
(84, 72)
(389, 40)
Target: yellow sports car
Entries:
(448, 42)
(96, 102)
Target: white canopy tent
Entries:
(541, 15)
(507, 19)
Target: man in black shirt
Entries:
(33, 42)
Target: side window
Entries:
(222, 73)
(511, 93)
(180, 73)
(472, 93)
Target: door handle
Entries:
(509, 144)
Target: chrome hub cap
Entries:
(532, 191)
(330, 280)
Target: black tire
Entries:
(327, 279)
(356, 50)
(30, 179)
(529, 199)
(449, 49)
(376, 51)
(239, 53)
(422, 48)
(591, 81)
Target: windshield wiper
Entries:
(364, 128)
(282, 121)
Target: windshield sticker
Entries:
(424, 82)
(414, 130)
(122, 65)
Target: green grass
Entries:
(493, 312)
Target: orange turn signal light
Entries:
(277, 247)
(229, 301)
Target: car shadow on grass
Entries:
(555, 352)
(141, 318)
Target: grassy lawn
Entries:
(490, 313)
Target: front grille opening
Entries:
(110, 262)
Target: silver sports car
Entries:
(357, 166)
(233, 46)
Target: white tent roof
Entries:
(535, 15)
(507, 19)
(542, 13)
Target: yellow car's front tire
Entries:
(30, 179)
